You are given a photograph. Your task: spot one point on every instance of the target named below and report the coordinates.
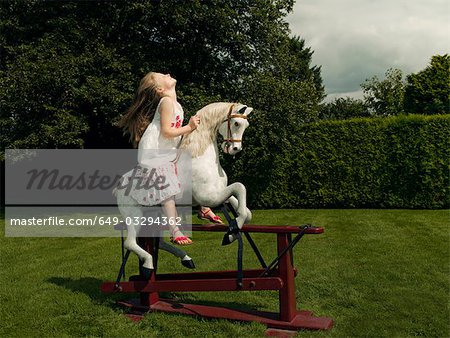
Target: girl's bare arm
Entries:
(167, 131)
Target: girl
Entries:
(154, 121)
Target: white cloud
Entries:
(356, 39)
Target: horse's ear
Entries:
(245, 110)
(248, 110)
(242, 110)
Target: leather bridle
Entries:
(230, 140)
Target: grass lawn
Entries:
(377, 273)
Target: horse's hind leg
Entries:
(128, 207)
(171, 249)
(177, 252)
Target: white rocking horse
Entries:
(209, 181)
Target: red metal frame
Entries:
(280, 279)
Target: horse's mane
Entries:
(211, 117)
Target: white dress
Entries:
(158, 153)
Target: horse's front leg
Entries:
(220, 196)
(234, 203)
(239, 192)
(236, 190)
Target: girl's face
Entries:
(164, 82)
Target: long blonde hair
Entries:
(142, 110)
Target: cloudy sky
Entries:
(356, 39)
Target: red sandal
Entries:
(180, 239)
(205, 215)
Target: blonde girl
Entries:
(154, 121)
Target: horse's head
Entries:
(232, 129)
(227, 119)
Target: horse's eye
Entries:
(236, 124)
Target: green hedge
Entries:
(396, 162)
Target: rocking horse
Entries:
(210, 188)
(209, 181)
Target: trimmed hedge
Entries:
(396, 162)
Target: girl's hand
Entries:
(194, 121)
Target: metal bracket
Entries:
(275, 262)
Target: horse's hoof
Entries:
(188, 263)
(228, 238)
(147, 273)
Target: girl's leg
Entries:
(170, 210)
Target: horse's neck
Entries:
(208, 163)
(216, 151)
(211, 153)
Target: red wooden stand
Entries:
(280, 279)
